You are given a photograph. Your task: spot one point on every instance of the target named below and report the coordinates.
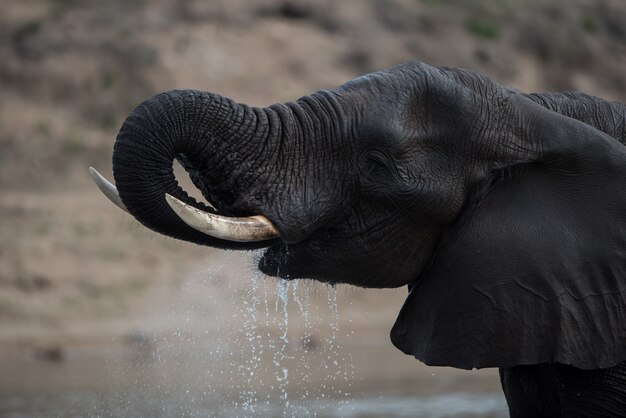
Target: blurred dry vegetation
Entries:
(70, 71)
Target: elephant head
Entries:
(506, 216)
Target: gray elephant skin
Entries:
(504, 213)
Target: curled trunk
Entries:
(200, 130)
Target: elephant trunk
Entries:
(209, 135)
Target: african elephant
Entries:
(503, 212)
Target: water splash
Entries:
(212, 351)
(306, 341)
(331, 293)
(280, 356)
(253, 350)
(339, 370)
(280, 350)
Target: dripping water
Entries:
(253, 346)
(303, 358)
(282, 372)
(211, 352)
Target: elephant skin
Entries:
(504, 212)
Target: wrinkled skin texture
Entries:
(503, 212)
(360, 180)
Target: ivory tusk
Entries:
(248, 229)
(108, 189)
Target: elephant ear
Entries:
(534, 270)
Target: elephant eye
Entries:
(376, 165)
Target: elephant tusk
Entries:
(248, 229)
(108, 189)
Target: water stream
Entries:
(251, 347)
(291, 365)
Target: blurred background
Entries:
(101, 317)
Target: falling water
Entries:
(280, 355)
(298, 362)
(304, 366)
(226, 344)
(274, 366)
(339, 370)
(248, 368)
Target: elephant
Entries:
(504, 213)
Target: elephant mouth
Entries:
(279, 259)
(279, 253)
(270, 261)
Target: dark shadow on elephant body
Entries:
(534, 271)
(552, 390)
